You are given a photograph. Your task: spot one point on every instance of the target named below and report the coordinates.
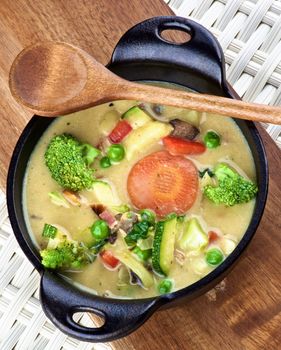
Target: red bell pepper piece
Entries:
(120, 131)
(213, 236)
(178, 146)
(109, 259)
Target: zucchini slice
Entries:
(163, 246)
(136, 117)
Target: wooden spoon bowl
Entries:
(55, 78)
(53, 73)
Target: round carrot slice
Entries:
(163, 183)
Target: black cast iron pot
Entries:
(141, 54)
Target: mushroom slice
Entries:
(128, 220)
(98, 208)
(183, 129)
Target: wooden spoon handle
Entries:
(203, 103)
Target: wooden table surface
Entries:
(246, 312)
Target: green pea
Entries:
(105, 162)
(147, 215)
(143, 255)
(212, 139)
(214, 256)
(165, 286)
(116, 153)
(100, 230)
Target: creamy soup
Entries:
(149, 221)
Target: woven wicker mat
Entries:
(250, 34)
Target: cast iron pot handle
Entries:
(60, 300)
(143, 43)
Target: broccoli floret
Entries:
(67, 254)
(231, 189)
(68, 161)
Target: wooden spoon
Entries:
(55, 78)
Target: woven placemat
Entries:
(250, 34)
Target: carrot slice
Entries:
(163, 183)
(178, 146)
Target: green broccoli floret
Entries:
(67, 254)
(68, 161)
(231, 189)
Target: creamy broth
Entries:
(90, 126)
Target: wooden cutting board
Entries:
(242, 313)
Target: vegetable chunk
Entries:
(139, 231)
(49, 231)
(144, 137)
(183, 129)
(212, 139)
(232, 188)
(178, 146)
(68, 161)
(127, 258)
(109, 259)
(121, 130)
(104, 193)
(194, 238)
(136, 117)
(67, 254)
(164, 245)
(163, 183)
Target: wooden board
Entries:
(245, 313)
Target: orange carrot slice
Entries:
(164, 183)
